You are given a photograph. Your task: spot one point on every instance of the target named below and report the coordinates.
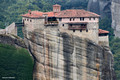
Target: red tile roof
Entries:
(103, 31)
(64, 13)
(33, 14)
(76, 13)
(37, 14)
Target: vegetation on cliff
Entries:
(114, 44)
(15, 63)
(11, 10)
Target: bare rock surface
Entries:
(63, 56)
(115, 9)
(12, 40)
(101, 7)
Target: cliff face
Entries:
(115, 8)
(101, 7)
(108, 8)
(61, 56)
(12, 40)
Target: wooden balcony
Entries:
(51, 23)
(77, 27)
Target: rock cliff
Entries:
(115, 9)
(59, 55)
(11, 39)
(101, 7)
(107, 8)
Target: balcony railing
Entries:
(51, 23)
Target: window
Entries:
(80, 30)
(89, 18)
(82, 19)
(73, 19)
(70, 19)
(27, 19)
(63, 25)
(30, 20)
(60, 19)
(71, 25)
(86, 30)
(94, 18)
(73, 30)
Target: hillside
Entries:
(15, 63)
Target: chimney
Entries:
(56, 8)
(29, 11)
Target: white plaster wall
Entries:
(92, 33)
(104, 40)
(65, 20)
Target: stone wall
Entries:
(104, 40)
(31, 24)
(63, 56)
(11, 29)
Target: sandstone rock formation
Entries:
(107, 8)
(115, 9)
(101, 7)
(11, 39)
(59, 55)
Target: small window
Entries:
(82, 19)
(89, 18)
(70, 24)
(63, 25)
(94, 18)
(30, 20)
(27, 19)
(70, 19)
(60, 19)
(73, 30)
(86, 30)
(73, 19)
(80, 30)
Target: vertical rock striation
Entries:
(107, 8)
(115, 9)
(101, 7)
(62, 56)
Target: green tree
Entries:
(15, 63)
